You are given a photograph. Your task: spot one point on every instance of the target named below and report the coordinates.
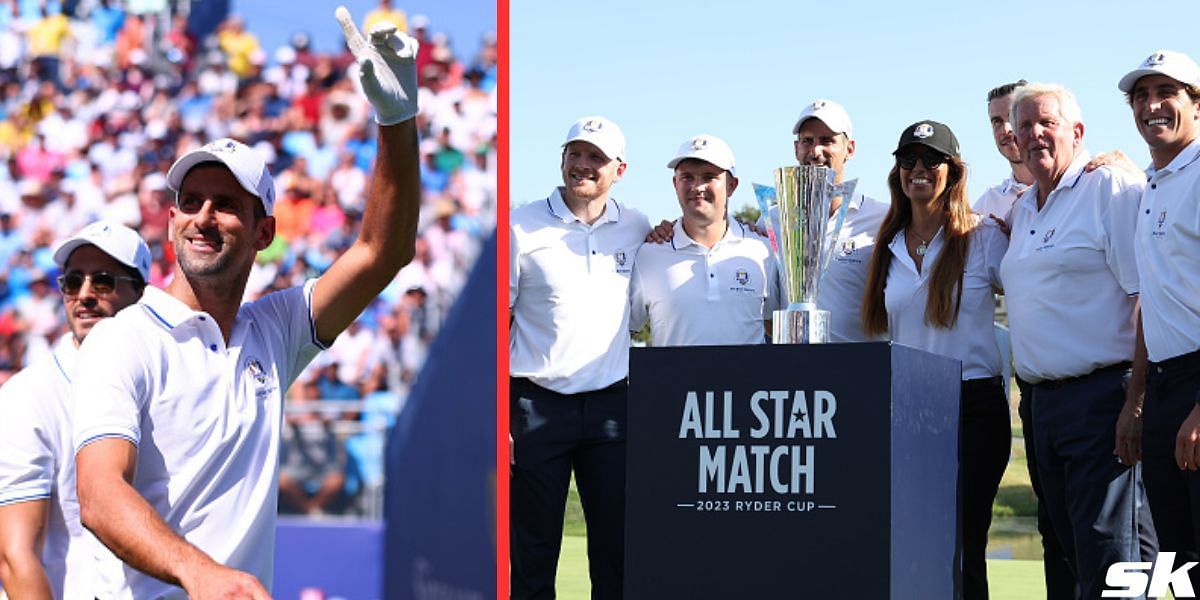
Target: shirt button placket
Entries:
(714, 294)
(591, 251)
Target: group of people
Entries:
(139, 458)
(1096, 259)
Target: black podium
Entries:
(798, 471)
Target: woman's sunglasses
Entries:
(931, 160)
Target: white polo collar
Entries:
(1187, 156)
(1068, 180)
(558, 207)
(735, 232)
(1011, 186)
(167, 310)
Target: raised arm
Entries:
(122, 519)
(22, 532)
(387, 68)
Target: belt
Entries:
(1191, 359)
(1055, 384)
(975, 385)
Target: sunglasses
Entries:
(931, 160)
(103, 282)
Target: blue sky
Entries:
(274, 21)
(666, 70)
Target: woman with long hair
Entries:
(930, 286)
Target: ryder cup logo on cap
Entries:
(828, 112)
(115, 240)
(930, 134)
(708, 148)
(1176, 65)
(601, 133)
(247, 166)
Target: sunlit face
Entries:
(817, 144)
(587, 172)
(703, 190)
(999, 111)
(923, 182)
(88, 305)
(1047, 141)
(213, 226)
(1166, 117)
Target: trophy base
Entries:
(800, 326)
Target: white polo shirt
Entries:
(1070, 276)
(906, 296)
(205, 418)
(999, 199)
(568, 289)
(1167, 247)
(37, 463)
(841, 290)
(697, 296)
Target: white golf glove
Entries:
(387, 68)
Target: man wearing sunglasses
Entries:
(1072, 286)
(43, 548)
(177, 435)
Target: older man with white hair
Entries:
(1072, 286)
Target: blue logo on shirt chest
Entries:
(1158, 232)
(259, 378)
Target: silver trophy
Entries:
(805, 194)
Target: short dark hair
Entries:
(1001, 91)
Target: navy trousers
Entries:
(1093, 499)
(1060, 582)
(553, 435)
(1172, 390)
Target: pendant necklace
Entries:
(922, 245)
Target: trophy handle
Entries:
(846, 191)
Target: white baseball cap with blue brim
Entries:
(244, 162)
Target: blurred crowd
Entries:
(96, 101)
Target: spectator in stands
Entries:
(385, 12)
(241, 47)
(312, 464)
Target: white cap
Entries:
(708, 148)
(602, 133)
(245, 164)
(419, 21)
(1176, 65)
(830, 113)
(116, 240)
